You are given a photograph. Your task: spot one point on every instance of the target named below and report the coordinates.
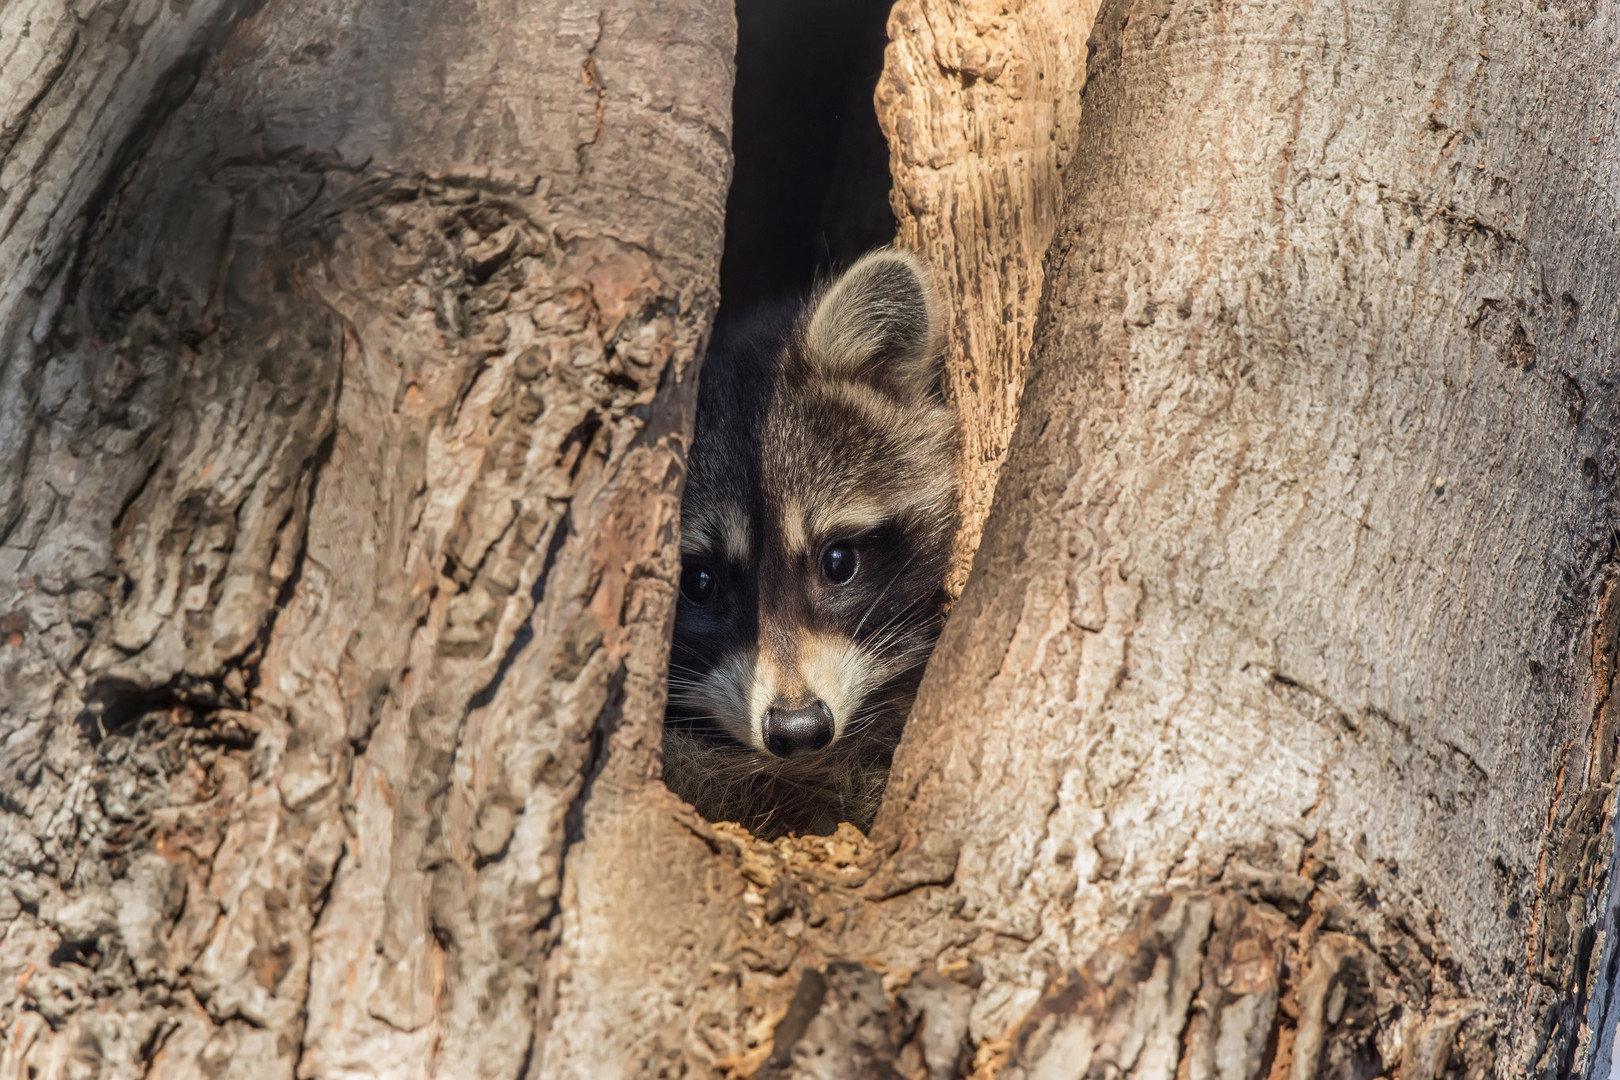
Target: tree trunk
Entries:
(348, 363)
(1271, 736)
(980, 100)
(1294, 608)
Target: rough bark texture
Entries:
(1305, 534)
(980, 100)
(1272, 737)
(348, 355)
(1273, 734)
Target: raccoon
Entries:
(816, 532)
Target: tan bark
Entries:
(348, 359)
(980, 100)
(1272, 736)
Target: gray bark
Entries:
(348, 355)
(1303, 552)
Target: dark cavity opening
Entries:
(811, 187)
(809, 195)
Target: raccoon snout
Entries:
(793, 732)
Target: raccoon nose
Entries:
(791, 732)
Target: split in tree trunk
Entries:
(347, 373)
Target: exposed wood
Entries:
(980, 100)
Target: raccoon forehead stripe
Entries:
(824, 521)
(721, 529)
(694, 539)
(791, 523)
(736, 537)
(845, 520)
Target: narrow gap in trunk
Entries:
(811, 187)
(809, 196)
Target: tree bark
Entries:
(980, 100)
(1272, 735)
(348, 362)
(1300, 567)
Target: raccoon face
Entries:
(816, 529)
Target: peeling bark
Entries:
(1283, 975)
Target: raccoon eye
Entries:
(697, 584)
(839, 563)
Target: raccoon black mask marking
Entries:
(815, 536)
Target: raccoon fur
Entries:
(816, 533)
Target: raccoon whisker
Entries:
(906, 654)
(687, 688)
(693, 708)
(884, 664)
(896, 576)
(700, 718)
(870, 660)
(899, 625)
(892, 634)
(859, 724)
(921, 626)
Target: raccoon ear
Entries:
(879, 321)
